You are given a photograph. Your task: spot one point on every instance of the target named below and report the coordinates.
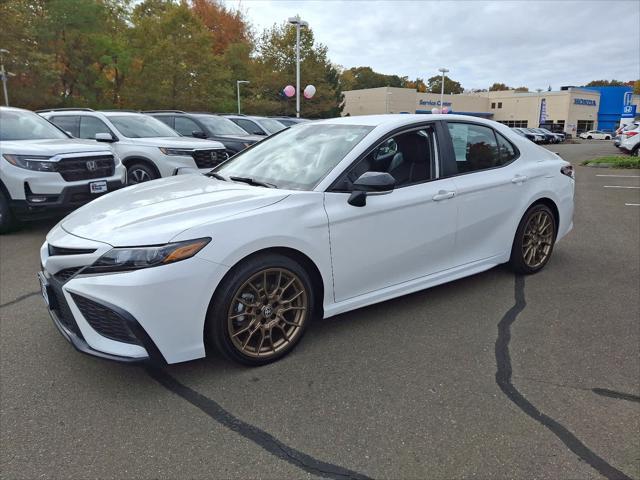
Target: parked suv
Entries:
(43, 171)
(630, 139)
(207, 125)
(257, 125)
(148, 148)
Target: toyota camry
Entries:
(320, 219)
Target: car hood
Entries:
(175, 142)
(242, 138)
(154, 212)
(51, 147)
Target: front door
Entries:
(395, 237)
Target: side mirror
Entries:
(198, 134)
(371, 183)
(105, 137)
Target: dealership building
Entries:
(572, 109)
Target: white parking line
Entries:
(632, 204)
(620, 176)
(618, 186)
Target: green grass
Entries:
(616, 161)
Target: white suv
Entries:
(630, 139)
(43, 171)
(148, 148)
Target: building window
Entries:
(560, 124)
(584, 125)
(499, 104)
(515, 123)
(493, 104)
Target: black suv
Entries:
(207, 125)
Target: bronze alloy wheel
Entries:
(267, 313)
(538, 239)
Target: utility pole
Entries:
(238, 82)
(443, 71)
(4, 76)
(299, 23)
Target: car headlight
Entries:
(184, 152)
(135, 258)
(31, 162)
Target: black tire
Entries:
(8, 221)
(517, 262)
(217, 328)
(607, 137)
(140, 172)
(589, 137)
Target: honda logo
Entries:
(92, 165)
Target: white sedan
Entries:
(320, 219)
(596, 135)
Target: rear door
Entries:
(490, 185)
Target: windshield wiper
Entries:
(215, 175)
(251, 181)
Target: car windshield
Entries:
(298, 158)
(23, 125)
(141, 126)
(221, 125)
(270, 125)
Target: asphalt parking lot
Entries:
(493, 376)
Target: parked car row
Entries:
(628, 138)
(47, 170)
(540, 135)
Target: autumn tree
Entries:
(226, 26)
(357, 78)
(434, 85)
(498, 87)
(606, 83)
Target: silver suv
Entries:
(44, 172)
(148, 148)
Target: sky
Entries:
(520, 43)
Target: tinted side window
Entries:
(407, 157)
(249, 126)
(69, 124)
(475, 147)
(506, 149)
(166, 119)
(89, 126)
(186, 126)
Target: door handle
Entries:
(519, 179)
(443, 195)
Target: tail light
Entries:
(630, 134)
(568, 171)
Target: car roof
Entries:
(400, 119)
(14, 109)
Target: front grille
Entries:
(65, 274)
(61, 308)
(85, 168)
(104, 320)
(53, 250)
(209, 158)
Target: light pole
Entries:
(299, 23)
(238, 82)
(4, 75)
(443, 71)
(387, 102)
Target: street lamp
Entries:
(238, 82)
(299, 23)
(443, 71)
(4, 75)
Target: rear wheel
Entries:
(139, 173)
(589, 137)
(8, 221)
(261, 310)
(534, 240)
(607, 137)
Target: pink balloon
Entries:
(289, 91)
(445, 110)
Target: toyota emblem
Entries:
(92, 166)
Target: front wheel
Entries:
(534, 240)
(589, 137)
(8, 221)
(261, 310)
(607, 137)
(139, 173)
